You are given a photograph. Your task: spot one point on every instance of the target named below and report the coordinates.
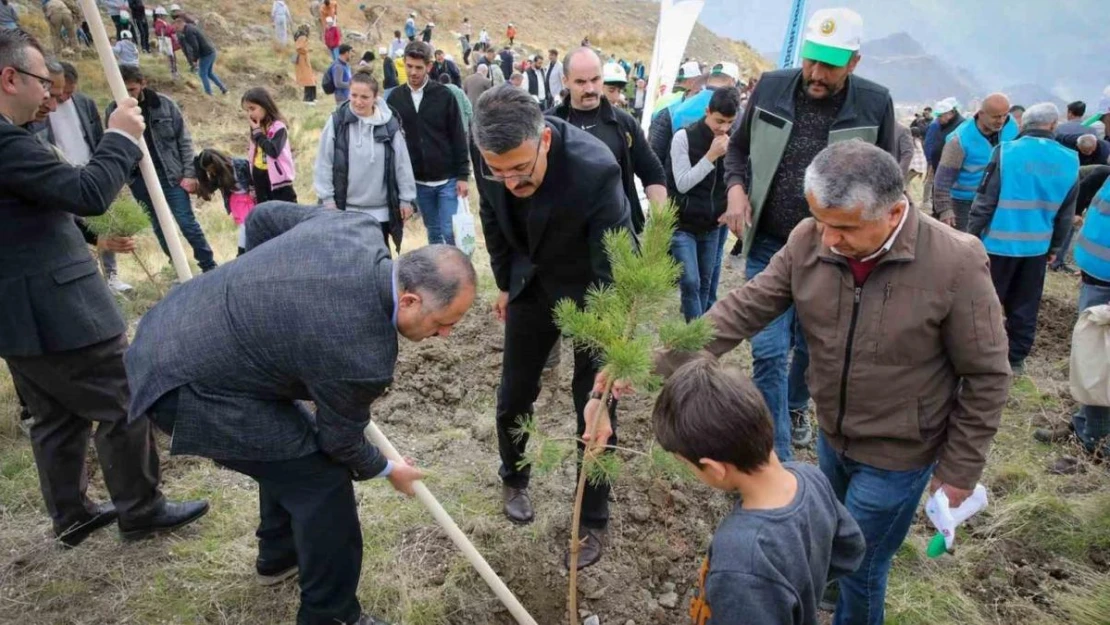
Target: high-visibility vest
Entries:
(1092, 249)
(977, 154)
(1037, 175)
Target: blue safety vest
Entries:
(1037, 174)
(690, 110)
(1092, 250)
(977, 154)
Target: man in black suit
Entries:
(549, 193)
(60, 331)
(226, 359)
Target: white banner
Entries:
(676, 22)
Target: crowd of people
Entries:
(901, 323)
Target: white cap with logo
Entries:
(946, 105)
(724, 68)
(689, 69)
(833, 36)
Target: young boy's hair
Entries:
(725, 101)
(707, 410)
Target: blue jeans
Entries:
(182, 210)
(716, 280)
(438, 206)
(1092, 423)
(206, 74)
(883, 503)
(781, 381)
(700, 259)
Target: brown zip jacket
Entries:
(909, 369)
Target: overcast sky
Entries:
(1063, 45)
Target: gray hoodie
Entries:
(366, 190)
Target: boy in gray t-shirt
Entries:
(773, 554)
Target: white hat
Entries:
(398, 53)
(689, 70)
(413, 14)
(613, 74)
(946, 105)
(383, 51)
(160, 10)
(724, 68)
(175, 7)
(125, 34)
(330, 20)
(832, 36)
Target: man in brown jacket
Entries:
(908, 355)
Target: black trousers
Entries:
(67, 392)
(263, 192)
(307, 506)
(530, 332)
(1019, 282)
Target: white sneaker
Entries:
(117, 285)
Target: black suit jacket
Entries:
(305, 315)
(51, 295)
(581, 198)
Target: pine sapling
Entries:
(124, 218)
(622, 324)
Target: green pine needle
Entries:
(603, 469)
(124, 218)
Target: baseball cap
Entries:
(613, 74)
(725, 68)
(126, 34)
(832, 35)
(689, 70)
(175, 7)
(946, 105)
(382, 51)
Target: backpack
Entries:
(329, 80)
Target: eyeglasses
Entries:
(46, 83)
(489, 175)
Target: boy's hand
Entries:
(620, 387)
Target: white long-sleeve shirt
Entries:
(687, 175)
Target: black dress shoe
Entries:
(275, 570)
(589, 551)
(172, 515)
(77, 533)
(518, 506)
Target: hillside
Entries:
(1039, 555)
(913, 76)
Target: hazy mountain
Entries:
(1062, 45)
(1028, 94)
(913, 76)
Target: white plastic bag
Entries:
(462, 223)
(1090, 357)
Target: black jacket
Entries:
(701, 206)
(506, 58)
(51, 295)
(342, 118)
(389, 74)
(636, 159)
(92, 129)
(194, 43)
(581, 198)
(435, 136)
(447, 67)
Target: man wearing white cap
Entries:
(947, 118)
(688, 84)
(791, 116)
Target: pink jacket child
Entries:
(270, 151)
